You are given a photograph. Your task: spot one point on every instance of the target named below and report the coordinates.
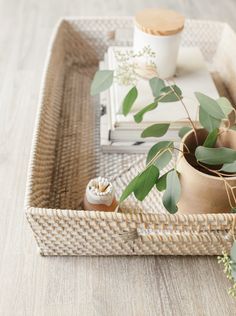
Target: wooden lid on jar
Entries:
(159, 21)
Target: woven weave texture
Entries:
(66, 155)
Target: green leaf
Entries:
(233, 210)
(229, 167)
(225, 105)
(155, 130)
(233, 127)
(233, 252)
(162, 161)
(172, 193)
(145, 182)
(211, 138)
(129, 100)
(102, 81)
(164, 154)
(168, 95)
(215, 156)
(161, 182)
(156, 85)
(138, 117)
(184, 130)
(207, 121)
(129, 189)
(210, 106)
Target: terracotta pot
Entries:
(201, 192)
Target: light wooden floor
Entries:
(32, 285)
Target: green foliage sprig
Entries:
(229, 263)
(128, 64)
(212, 115)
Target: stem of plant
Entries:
(163, 96)
(158, 154)
(187, 112)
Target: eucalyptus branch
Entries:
(162, 151)
(158, 154)
(163, 96)
(186, 147)
(228, 175)
(187, 112)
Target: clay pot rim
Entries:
(194, 169)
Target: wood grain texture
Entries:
(32, 285)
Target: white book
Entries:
(115, 146)
(135, 135)
(191, 75)
(114, 143)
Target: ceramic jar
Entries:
(200, 192)
(161, 31)
(100, 196)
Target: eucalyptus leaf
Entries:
(172, 192)
(229, 167)
(155, 130)
(129, 189)
(158, 147)
(168, 95)
(233, 210)
(156, 85)
(225, 105)
(233, 252)
(145, 182)
(211, 138)
(164, 159)
(129, 100)
(210, 106)
(102, 81)
(207, 121)
(184, 130)
(161, 182)
(138, 117)
(163, 151)
(215, 156)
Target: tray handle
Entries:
(165, 235)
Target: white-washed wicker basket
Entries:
(66, 153)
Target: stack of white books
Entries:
(121, 133)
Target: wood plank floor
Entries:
(32, 285)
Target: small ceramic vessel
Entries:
(203, 193)
(100, 196)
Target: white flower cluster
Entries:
(128, 62)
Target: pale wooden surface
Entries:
(32, 285)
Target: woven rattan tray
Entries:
(66, 153)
